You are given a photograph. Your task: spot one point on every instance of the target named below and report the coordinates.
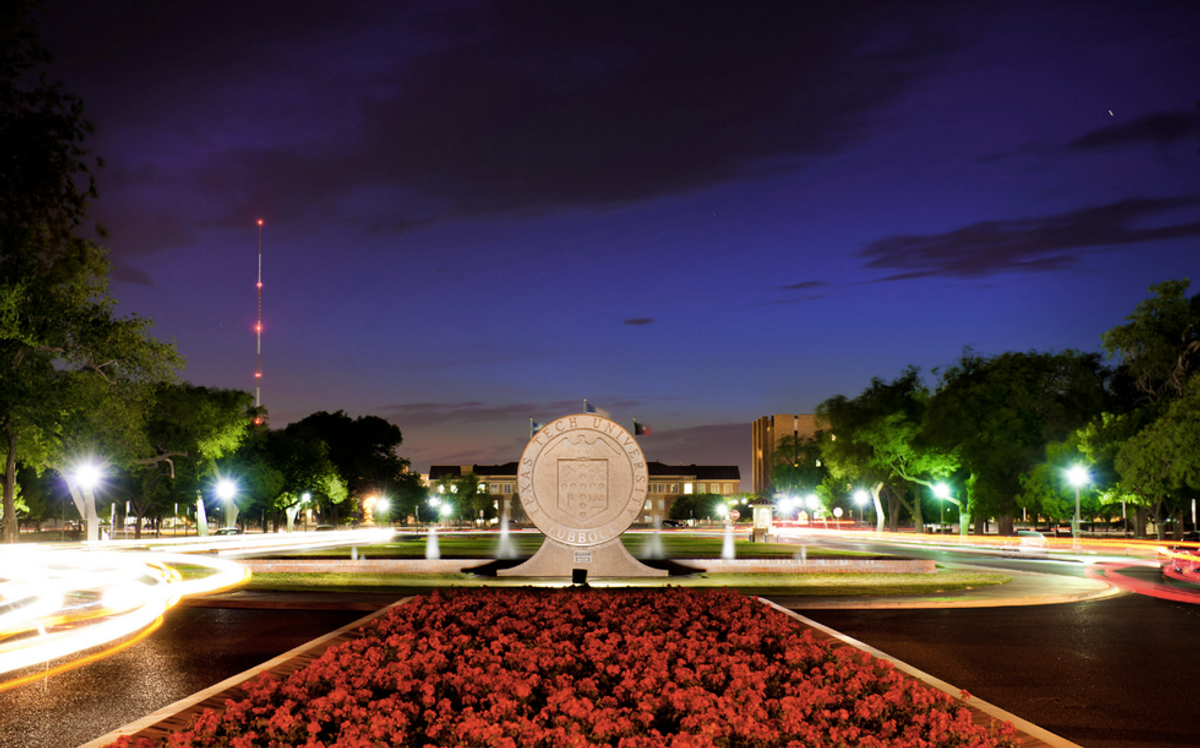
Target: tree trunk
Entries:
(1005, 522)
(1160, 530)
(1178, 534)
(979, 529)
(11, 529)
(1139, 521)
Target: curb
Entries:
(1031, 735)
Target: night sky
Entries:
(691, 213)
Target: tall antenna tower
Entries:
(258, 326)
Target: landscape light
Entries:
(860, 496)
(226, 489)
(942, 491)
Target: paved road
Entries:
(1109, 673)
(1115, 673)
(194, 649)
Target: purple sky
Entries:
(691, 213)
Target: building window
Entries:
(687, 488)
(674, 488)
(646, 518)
(728, 489)
(662, 504)
(701, 488)
(648, 502)
(494, 488)
(507, 488)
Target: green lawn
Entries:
(822, 585)
(674, 545)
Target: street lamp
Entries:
(1078, 476)
(226, 490)
(860, 499)
(86, 476)
(942, 491)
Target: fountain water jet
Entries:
(505, 549)
(727, 546)
(431, 545)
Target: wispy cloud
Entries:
(1156, 129)
(1031, 245)
(640, 321)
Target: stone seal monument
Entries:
(582, 482)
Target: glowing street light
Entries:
(1077, 476)
(226, 490)
(942, 491)
(86, 477)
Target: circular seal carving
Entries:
(582, 480)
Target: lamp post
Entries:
(226, 490)
(860, 498)
(86, 477)
(942, 491)
(1078, 476)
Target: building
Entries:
(768, 431)
(666, 483)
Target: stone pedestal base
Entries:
(555, 559)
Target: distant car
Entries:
(230, 531)
(671, 523)
(324, 528)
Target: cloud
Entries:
(396, 117)
(1039, 244)
(1157, 128)
(639, 321)
(803, 286)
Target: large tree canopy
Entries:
(72, 375)
(876, 439)
(1001, 412)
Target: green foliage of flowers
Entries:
(579, 667)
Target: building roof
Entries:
(698, 472)
(656, 470)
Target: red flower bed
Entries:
(664, 667)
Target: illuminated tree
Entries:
(876, 440)
(1000, 413)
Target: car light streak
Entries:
(62, 603)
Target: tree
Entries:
(877, 439)
(1001, 412)
(1162, 460)
(797, 469)
(58, 334)
(188, 429)
(364, 453)
(1160, 345)
(1146, 435)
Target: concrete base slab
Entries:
(555, 559)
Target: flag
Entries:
(593, 409)
(641, 429)
(534, 427)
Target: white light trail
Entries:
(57, 603)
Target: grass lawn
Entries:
(822, 585)
(453, 545)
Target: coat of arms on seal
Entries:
(582, 487)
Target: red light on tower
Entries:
(260, 222)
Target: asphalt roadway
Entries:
(1062, 652)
